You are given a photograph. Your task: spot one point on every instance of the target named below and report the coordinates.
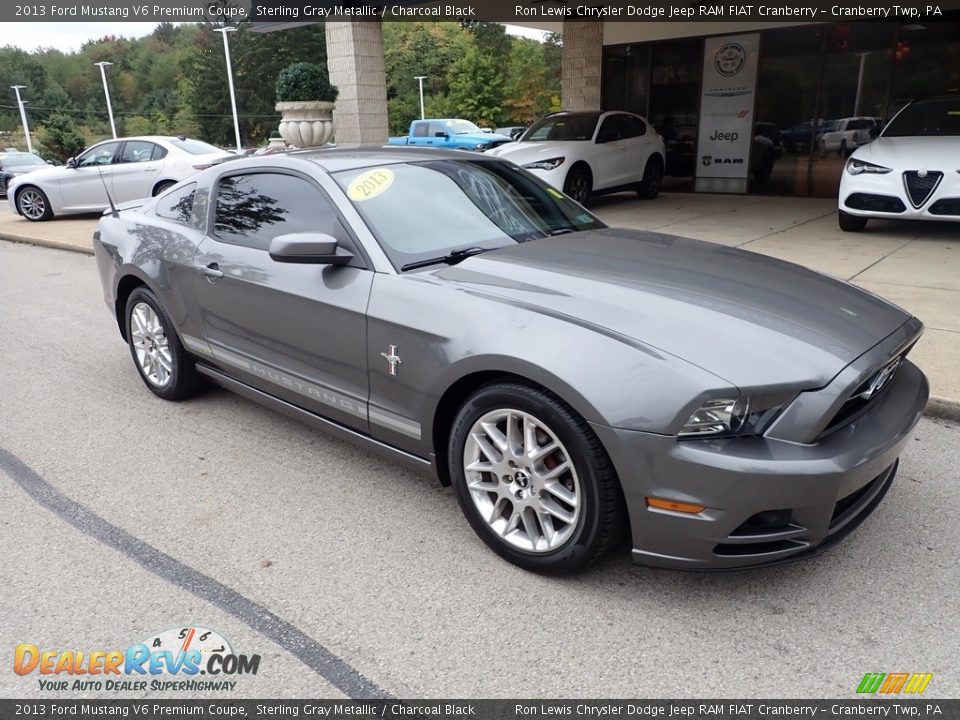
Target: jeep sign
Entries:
(726, 112)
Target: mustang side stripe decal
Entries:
(314, 391)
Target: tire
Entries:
(514, 505)
(163, 364)
(851, 223)
(162, 187)
(578, 183)
(649, 186)
(33, 204)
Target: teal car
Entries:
(450, 134)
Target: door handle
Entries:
(150, 169)
(212, 271)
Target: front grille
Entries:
(946, 206)
(876, 203)
(857, 403)
(920, 187)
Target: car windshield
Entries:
(462, 127)
(572, 126)
(195, 147)
(424, 210)
(928, 118)
(20, 159)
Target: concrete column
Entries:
(582, 62)
(355, 60)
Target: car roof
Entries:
(336, 159)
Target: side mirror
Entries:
(441, 134)
(313, 248)
(71, 162)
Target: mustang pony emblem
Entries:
(392, 359)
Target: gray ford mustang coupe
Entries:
(573, 382)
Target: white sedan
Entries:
(912, 171)
(585, 153)
(130, 168)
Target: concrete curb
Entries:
(23, 239)
(937, 407)
(943, 409)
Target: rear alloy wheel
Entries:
(649, 186)
(851, 223)
(164, 365)
(533, 480)
(578, 184)
(33, 204)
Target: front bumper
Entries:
(885, 196)
(767, 500)
(555, 177)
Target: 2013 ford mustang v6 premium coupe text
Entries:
(572, 381)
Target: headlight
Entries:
(481, 147)
(545, 164)
(733, 416)
(856, 167)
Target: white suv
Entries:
(848, 134)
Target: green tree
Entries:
(528, 93)
(59, 137)
(476, 88)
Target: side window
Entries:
(437, 128)
(633, 126)
(610, 129)
(420, 129)
(99, 155)
(177, 205)
(135, 151)
(252, 209)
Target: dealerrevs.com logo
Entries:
(186, 658)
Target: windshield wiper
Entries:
(451, 258)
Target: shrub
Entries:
(305, 81)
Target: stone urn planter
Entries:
(306, 123)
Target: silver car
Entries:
(573, 382)
(126, 168)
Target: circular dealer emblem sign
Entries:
(730, 59)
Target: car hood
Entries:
(913, 153)
(41, 174)
(482, 137)
(526, 152)
(750, 319)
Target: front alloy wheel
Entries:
(578, 184)
(521, 480)
(33, 204)
(533, 480)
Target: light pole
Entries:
(106, 93)
(421, 78)
(233, 96)
(23, 116)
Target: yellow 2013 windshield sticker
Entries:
(369, 184)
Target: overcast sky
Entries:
(70, 36)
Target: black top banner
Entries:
(407, 709)
(264, 12)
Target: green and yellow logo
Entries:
(894, 683)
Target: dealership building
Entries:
(744, 107)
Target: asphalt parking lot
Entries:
(122, 515)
